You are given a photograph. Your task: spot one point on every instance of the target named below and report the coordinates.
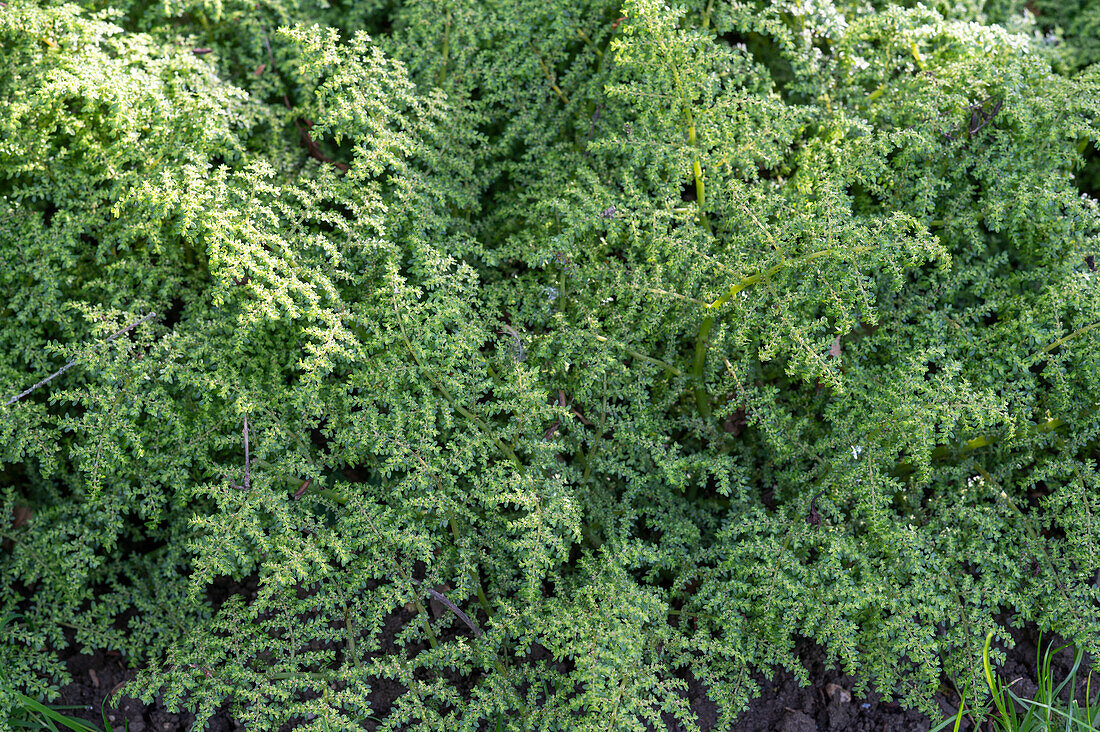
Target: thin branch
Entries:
(636, 354)
(519, 352)
(976, 125)
(247, 480)
(1063, 339)
(455, 609)
(550, 76)
(70, 364)
(504, 448)
(246, 483)
(678, 296)
(267, 45)
(311, 145)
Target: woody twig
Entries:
(70, 364)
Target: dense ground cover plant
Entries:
(641, 340)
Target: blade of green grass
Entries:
(50, 716)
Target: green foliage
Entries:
(651, 338)
(20, 711)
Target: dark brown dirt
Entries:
(828, 705)
(95, 677)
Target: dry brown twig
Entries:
(247, 478)
(71, 363)
(456, 610)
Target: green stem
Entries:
(702, 397)
(943, 451)
(595, 443)
(474, 578)
(1074, 334)
(550, 76)
(639, 355)
(444, 56)
(505, 449)
(588, 41)
(288, 675)
(697, 171)
(501, 667)
(349, 631)
(427, 623)
(693, 141)
(706, 14)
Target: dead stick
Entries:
(246, 479)
(454, 609)
(313, 148)
(69, 365)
